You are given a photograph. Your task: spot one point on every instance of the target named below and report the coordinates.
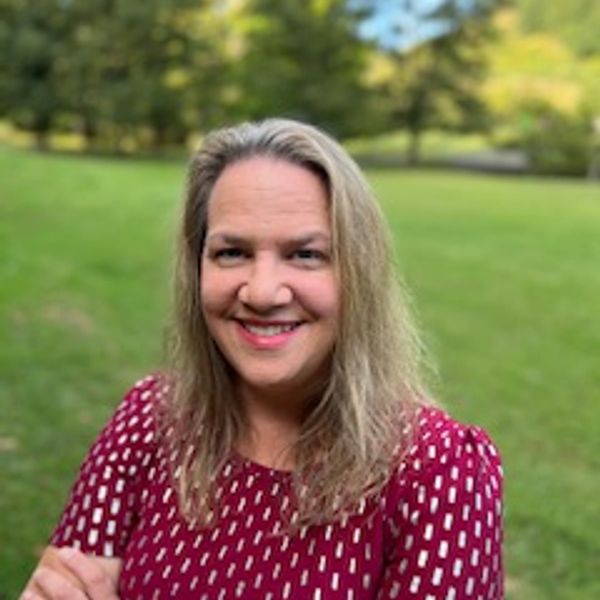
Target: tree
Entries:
(435, 83)
(304, 60)
(33, 38)
(114, 70)
(544, 97)
(139, 69)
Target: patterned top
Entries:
(434, 533)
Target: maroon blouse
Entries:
(435, 533)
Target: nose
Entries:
(264, 288)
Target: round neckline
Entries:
(259, 468)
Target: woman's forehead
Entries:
(268, 192)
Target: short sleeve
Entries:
(444, 516)
(104, 503)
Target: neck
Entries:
(273, 424)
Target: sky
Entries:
(401, 24)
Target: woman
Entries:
(291, 452)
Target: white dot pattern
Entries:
(435, 532)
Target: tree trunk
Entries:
(41, 128)
(160, 137)
(413, 152)
(89, 131)
(41, 140)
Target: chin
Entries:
(271, 383)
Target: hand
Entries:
(68, 574)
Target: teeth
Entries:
(268, 330)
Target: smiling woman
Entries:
(289, 450)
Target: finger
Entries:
(95, 581)
(54, 586)
(51, 560)
(30, 594)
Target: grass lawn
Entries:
(506, 279)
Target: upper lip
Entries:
(268, 323)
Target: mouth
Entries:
(269, 328)
(267, 335)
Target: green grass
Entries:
(506, 278)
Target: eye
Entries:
(228, 256)
(309, 256)
(307, 253)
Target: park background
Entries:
(478, 123)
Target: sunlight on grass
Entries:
(435, 144)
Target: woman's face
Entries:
(270, 295)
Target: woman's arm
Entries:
(102, 508)
(68, 573)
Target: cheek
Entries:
(217, 290)
(322, 298)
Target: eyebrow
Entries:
(302, 240)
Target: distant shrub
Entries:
(556, 143)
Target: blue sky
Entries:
(398, 24)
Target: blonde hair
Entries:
(362, 422)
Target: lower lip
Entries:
(266, 342)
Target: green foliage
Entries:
(543, 97)
(577, 22)
(130, 74)
(133, 75)
(117, 71)
(557, 144)
(304, 60)
(435, 85)
(528, 69)
(34, 47)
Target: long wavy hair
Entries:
(362, 422)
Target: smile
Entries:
(267, 335)
(269, 330)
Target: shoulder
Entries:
(447, 460)
(140, 405)
(109, 489)
(440, 439)
(145, 394)
(129, 436)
